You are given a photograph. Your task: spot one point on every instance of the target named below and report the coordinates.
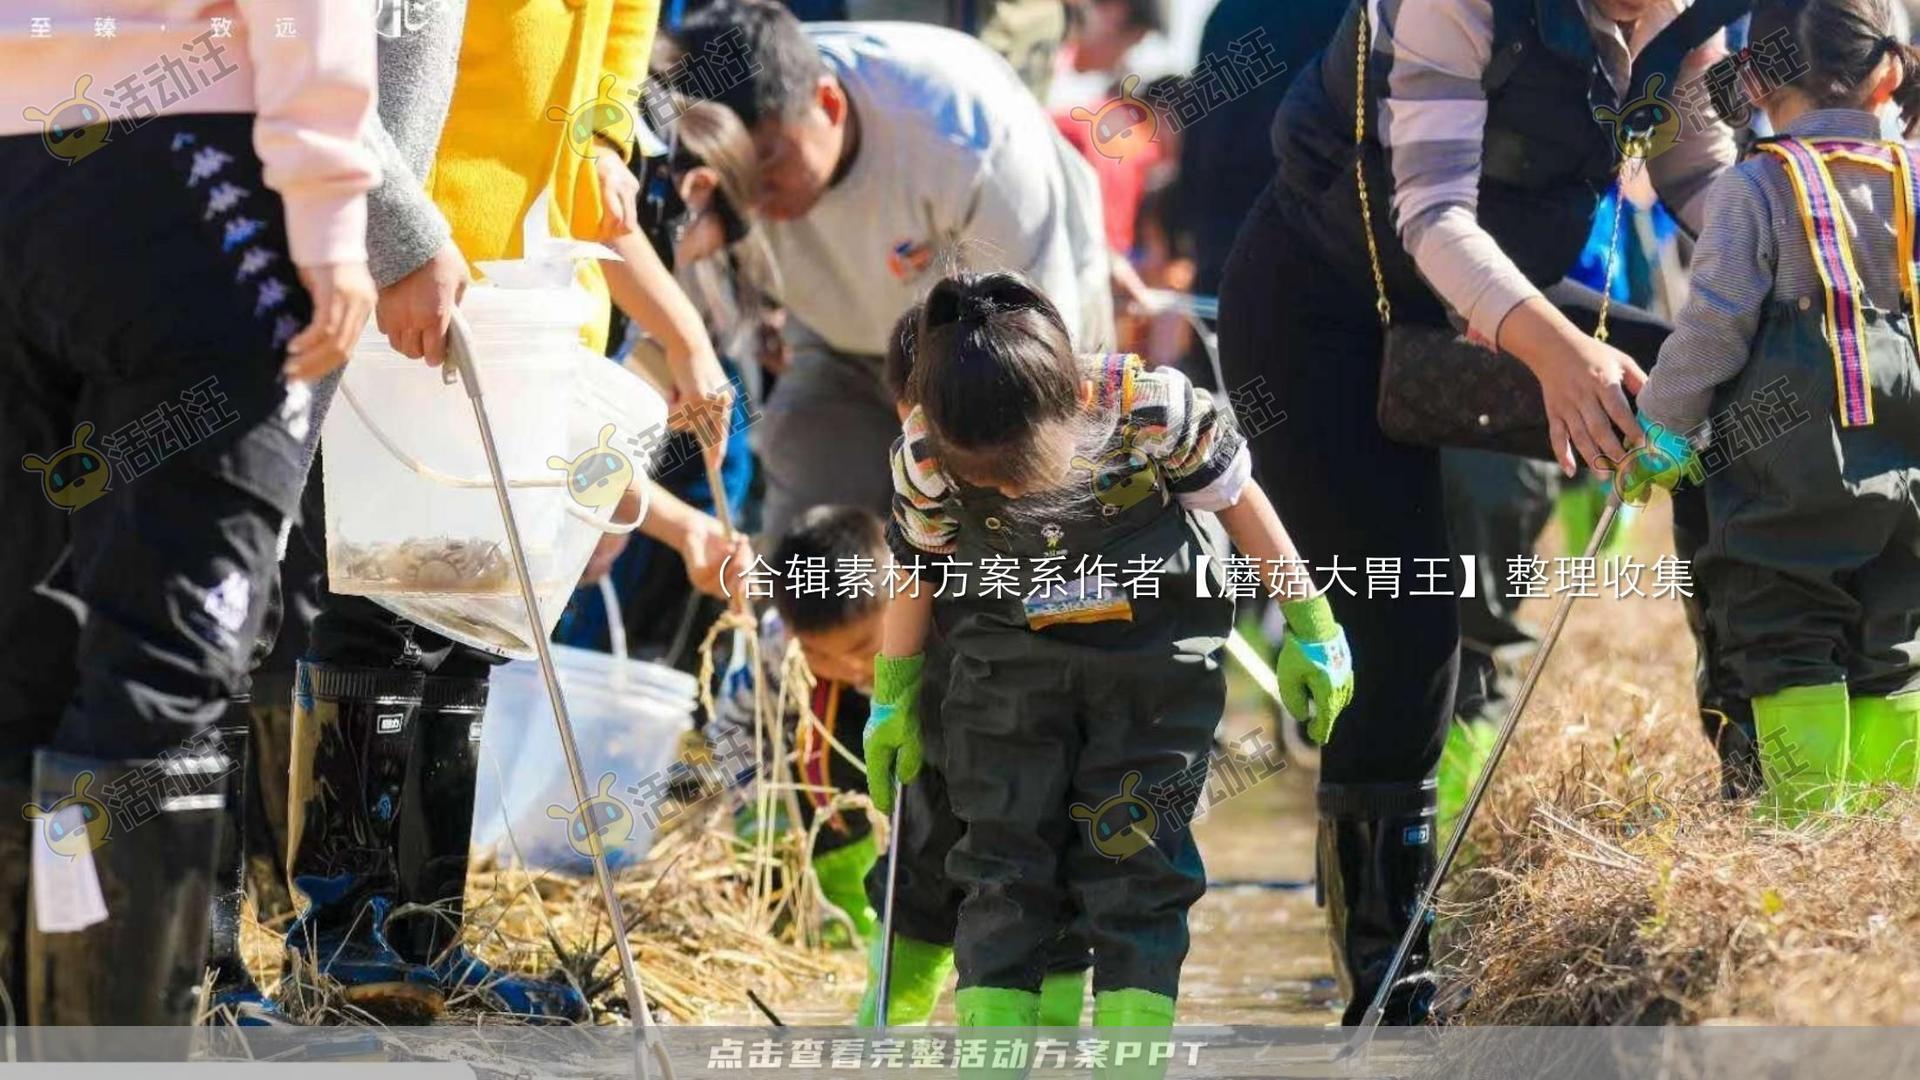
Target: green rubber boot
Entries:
(994, 1006)
(1144, 1054)
(1000, 1057)
(1578, 508)
(920, 972)
(1063, 997)
(1882, 733)
(1803, 749)
(1469, 745)
(843, 881)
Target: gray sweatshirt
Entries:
(419, 54)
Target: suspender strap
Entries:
(1824, 217)
(1905, 204)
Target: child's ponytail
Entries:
(1907, 95)
(1843, 43)
(993, 366)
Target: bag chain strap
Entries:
(1633, 153)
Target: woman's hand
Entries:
(343, 296)
(1584, 383)
(415, 311)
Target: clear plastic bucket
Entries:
(412, 519)
(607, 408)
(628, 716)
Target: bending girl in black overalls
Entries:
(1083, 696)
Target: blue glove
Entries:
(1665, 459)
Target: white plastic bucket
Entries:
(628, 716)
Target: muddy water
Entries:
(1259, 952)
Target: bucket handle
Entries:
(446, 479)
(616, 632)
(427, 471)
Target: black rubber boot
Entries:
(269, 763)
(436, 830)
(353, 732)
(1728, 721)
(16, 838)
(236, 998)
(153, 858)
(1376, 850)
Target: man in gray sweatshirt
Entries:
(890, 153)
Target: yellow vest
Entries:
(528, 69)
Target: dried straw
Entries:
(1613, 884)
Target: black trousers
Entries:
(1289, 317)
(146, 297)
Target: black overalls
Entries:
(1076, 727)
(1812, 566)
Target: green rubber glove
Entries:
(1665, 459)
(892, 740)
(1314, 665)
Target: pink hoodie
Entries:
(304, 67)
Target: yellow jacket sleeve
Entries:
(629, 49)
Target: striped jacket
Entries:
(1433, 119)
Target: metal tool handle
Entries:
(1371, 1022)
(460, 354)
(884, 995)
